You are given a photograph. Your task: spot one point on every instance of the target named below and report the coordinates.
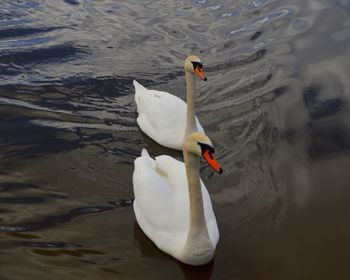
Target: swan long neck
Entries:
(191, 125)
(198, 228)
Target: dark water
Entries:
(276, 106)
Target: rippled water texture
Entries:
(275, 106)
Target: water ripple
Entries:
(54, 54)
(52, 221)
(69, 123)
(24, 31)
(270, 17)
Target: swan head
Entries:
(200, 145)
(194, 65)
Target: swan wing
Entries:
(162, 116)
(161, 202)
(159, 207)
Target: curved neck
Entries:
(198, 228)
(191, 114)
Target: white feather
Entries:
(162, 116)
(161, 203)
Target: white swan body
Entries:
(162, 116)
(166, 118)
(173, 211)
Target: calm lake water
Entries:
(276, 106)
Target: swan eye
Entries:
(206, 147)
(197, 64)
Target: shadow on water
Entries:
(329, 135)
(37, 140)
(57, 118)
(44, 55)
(321, 108)
(52, 221)
(22, 31)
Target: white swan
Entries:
(172, 205)
(166, 118)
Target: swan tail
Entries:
(137, 84)
(144, 153)
(138, 87)
(139, 90)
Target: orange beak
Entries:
(199, 71)
(210, 158)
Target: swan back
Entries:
(161, 203)
(162, 116)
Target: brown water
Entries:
(275, 106)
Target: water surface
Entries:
(275, 106)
